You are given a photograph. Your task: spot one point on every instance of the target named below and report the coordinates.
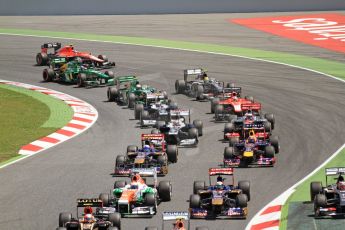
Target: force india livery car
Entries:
(220, 199)
(138, 198)
(329, 200)
(94, 217)
(181, 221)
(154, 153)
(44, 57)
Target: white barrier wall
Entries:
(58, 7)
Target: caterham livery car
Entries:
(154, 153)
(75, 72)
(180, 132)
(94, 217)
(329, 200)
(219, 199)
(138, 198)
(181, 221)
(253, 150)
(44, 57)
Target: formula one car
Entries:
(134, 94)
(76, 72)
(155, 153)
(252, 120)
(252, 150)
(329, 200)
(177, 131)
(224, 108)
(68, 52)
(120, 88)
(219, 200)
(102, 218)
(138, 198)
(203, 87)
(179, 218)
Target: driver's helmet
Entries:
(219, 185)
(250, 140)
(205, 77)
(138, 86)
(147, 147)
(341, 185)
(248, 115)
(219, 179)
(88, 218)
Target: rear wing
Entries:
(55, 45)
(155, 95)
(92, 202)
(175, 215)
(122, 79)
(251, 106)
(188, 72)
(335, 171)
(145, 137)
(220, 171)
(233, 89)
(59, 60)
(145, 172)
(181, 112)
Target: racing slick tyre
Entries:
(132, 148)
(103, 57)
(160, 124)
(162, 160)
(144, 115)
(230, 85)
(109, 73)
(214, 102)
(249, 98)
(201, 228)
(229, 152)
(241, 200)
(245, 187)
(48, 75)
(233, 141)
(228, 128)
(112, 93)
(138, 108)
(41, 59)
(120, 184)
(180, 86)
(200, 92)
(199, 125)
(218, 111)
(104, 197)
(131, 100)
(150, 199)
(194, 201)
(81, 79)
(319, 201)
(64, 217)
(275, 143)
(172, 153)
(270, 117)
(173, 105)
(115, 220)
(315, 188)
(120, 160)
(268, 127)
(165, 190)
(151, 228)
(155, 131)
(193, 133)
(197, 186)
(269, 151)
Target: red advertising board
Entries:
(323, 30)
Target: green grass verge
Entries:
(334, 68)
(27, 115)
(302, 192)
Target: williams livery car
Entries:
(220, 199)
(329, 200)
(138, 198)
(44, 57)
(154, 153)
(94, 217)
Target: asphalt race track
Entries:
(309, 111)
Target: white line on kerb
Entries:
(223, 54)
